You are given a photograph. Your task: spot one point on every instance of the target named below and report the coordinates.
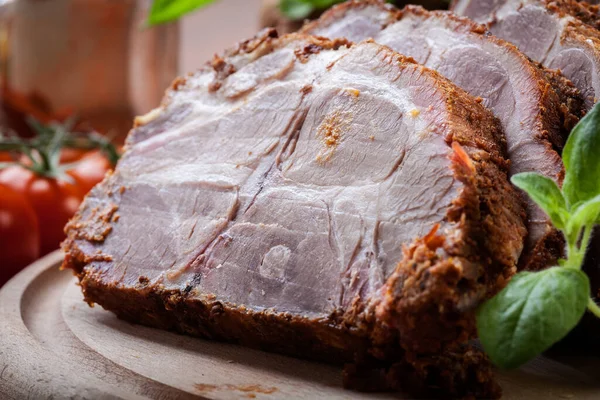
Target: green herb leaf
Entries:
(169, 10)
(534, 311)
(323, 4)
(582, 160)
(545, 192)
(300, 9)
(296, 9)
(586, 214)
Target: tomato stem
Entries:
(43, 150)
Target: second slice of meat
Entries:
(551, 32)
(535, 114)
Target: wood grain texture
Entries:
(53, 344)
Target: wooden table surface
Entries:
(52, 345)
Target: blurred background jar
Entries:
(91, 58)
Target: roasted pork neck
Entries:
(309, 197)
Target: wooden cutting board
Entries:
(52, 345)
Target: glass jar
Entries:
(93, 58)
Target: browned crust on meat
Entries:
(458, 373)
(265, 42)
(546, 251)
(587, 13)
(435, 292)
(441, 280)
(473, 368)
(566, 8)
(571, 103)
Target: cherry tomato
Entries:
(19, 233)
(90, 170)
(71, 155)
(5, 156)
(53, 200)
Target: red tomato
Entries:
(54, 202)
(90, 170)
(70, 155)
(19, 234)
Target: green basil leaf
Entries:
(582, 160)
(534, 311)
(169, 10)
(296, 9)
(300, 9)
(323, 4)
(546, 194)
(585, 214)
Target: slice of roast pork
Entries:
(516, 90)
(546, 32)
(331, 202)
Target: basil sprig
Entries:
(300, 9)
(163, 11)
(537, 309)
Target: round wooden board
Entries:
(52, 345)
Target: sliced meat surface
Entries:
(523, 96)
(311, 198)
(548, 33)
